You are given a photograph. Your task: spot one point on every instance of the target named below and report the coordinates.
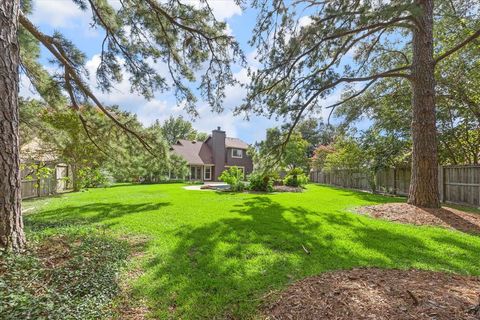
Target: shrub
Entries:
(234, 177)
(295, 178)
(92, 178)
(261, 182)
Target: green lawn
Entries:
(215, 255)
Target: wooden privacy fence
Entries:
(457, 184)
(39, 187)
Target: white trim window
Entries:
(237, 153)
(195, 173)
(207, 173)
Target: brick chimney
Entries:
(218, 149)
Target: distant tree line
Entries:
(100, 152)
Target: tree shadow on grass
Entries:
(226, 268)
(87, 214)
(372, 197)
(454, 220)
(364, 195)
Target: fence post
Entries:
(440, 183)
(395, 180)
(55, 177)
(39, 187)
(478, 185)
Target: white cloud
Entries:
(224, 9)
(252, 59)
(26, 88)
(165, 105)
(59, 13)
(304, 21)
(228, 30)
(152, 110)
(121, 95)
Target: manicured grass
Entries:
(216, 255)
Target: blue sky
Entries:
(63, 15)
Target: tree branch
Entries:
(349, 98)
(45, 40)
(459, 46)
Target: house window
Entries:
(195, 173)
(207, 173)
(237, 153)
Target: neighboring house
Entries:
(208, 159)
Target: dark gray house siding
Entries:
(244, 162)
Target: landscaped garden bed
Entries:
(287, 189)
(443, 217)
(379, 294)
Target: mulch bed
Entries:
(370, 293)
(287, 189)
(443, 217)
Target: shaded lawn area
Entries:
(219, 255)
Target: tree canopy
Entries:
(175, 128)
(141, 38)
(294, 155)
(351, 45)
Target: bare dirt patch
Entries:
(54, 252)
(443, 217)
(371, 293)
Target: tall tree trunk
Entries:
(424, 182)
(11, 224)
(75, 182)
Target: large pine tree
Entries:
(140, 34)
(11, 225)
(308, 49)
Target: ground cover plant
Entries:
(221, 255)
(70, 274)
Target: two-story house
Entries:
(208, 159)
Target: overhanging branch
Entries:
(349, 98)
(73, 76)
(458, 47)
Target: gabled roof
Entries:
(235, 143)
(195, 152)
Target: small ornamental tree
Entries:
(294, 152)
(317, 161)
(295, 178)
